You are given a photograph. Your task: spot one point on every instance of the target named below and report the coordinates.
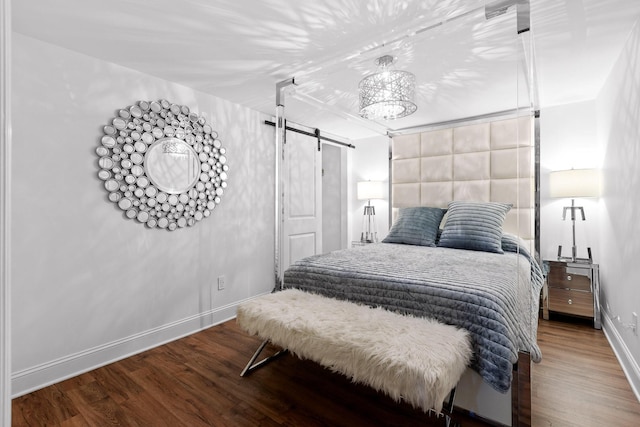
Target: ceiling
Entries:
(465, 64)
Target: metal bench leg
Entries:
(448, 421)
(251, 366)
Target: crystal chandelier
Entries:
(387, 94)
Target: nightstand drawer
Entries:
(578, 303)
(564, 277)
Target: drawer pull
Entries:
(570, 302)
(569, 277)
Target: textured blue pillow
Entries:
(476, 226)
(511, 243)
(416, 226)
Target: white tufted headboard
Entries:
(492, 161)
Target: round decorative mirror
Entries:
(162, 164)
(172, 165)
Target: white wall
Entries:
(88, 285)
(370, 162)
(5, 211)
(568, 139)
(618, 109)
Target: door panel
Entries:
(301, 245)
(302, 220)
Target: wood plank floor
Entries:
(579, 381)
(195, 382)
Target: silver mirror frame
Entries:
(121, 162)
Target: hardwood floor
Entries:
(195, 382)
(579, 381)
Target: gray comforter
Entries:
(494, 296)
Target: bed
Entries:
(486, 293)
(493, 289)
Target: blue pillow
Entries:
(416, 226)
(476, 226)
(511, 243)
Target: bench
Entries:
(411, 359)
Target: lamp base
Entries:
(574, 250)
(368, 238)
(574, 258)
(369, 229)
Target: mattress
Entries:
(493, 296)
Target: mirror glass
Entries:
(172, 165)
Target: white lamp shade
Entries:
(575, 183)
(368, 190)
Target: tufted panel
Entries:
(406, 195)
(436, 143)
(438, 193)
(436, 169)
(472, 166)
(406, 146)
(490, 162)
(467, 139)
(405, 170)
(518, 192)
(511, 133)
(468, 191)
(511, 163)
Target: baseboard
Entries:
(628, 363)
(52, 372)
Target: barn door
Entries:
(302, 201)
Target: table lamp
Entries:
(368, 190)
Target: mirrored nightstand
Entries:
(573, 289)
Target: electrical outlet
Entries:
(634, 323)
(220, 283)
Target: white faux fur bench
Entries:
(413, 359)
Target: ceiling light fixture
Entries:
(388, 94)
